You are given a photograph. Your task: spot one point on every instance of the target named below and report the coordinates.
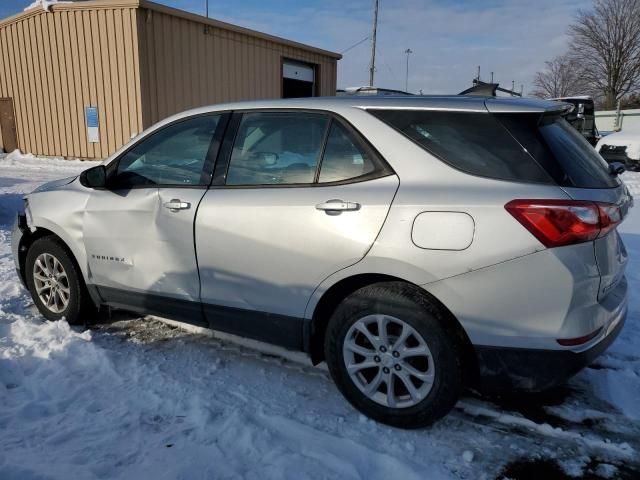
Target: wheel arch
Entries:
(30, 235)
(28, 238)
(331, 298)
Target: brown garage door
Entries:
(8, 125)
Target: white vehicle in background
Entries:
(623, 147)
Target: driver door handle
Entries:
(176, 204)
(335, 207)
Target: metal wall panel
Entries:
(54, 64)
(137, 62)
(187, 62)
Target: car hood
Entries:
(631, 140)
(54, 185)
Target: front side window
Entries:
(343, 158)
(277, 148)
(175, 155)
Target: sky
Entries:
(449, 39)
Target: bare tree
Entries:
(605, 42)
(562, 77)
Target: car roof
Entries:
(401, 102)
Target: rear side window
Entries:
(561, 150)
(300, 148)
(475, 143)
(277, 148)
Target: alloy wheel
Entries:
(51, 283)
(389, 361)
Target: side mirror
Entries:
(94, 177)
(616, 168)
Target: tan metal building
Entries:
(82, 78)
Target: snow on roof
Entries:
(45, 4)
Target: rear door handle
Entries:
(176, 204)
(336, 206)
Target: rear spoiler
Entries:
(507, 105)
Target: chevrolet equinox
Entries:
(415, 244)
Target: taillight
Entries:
(610, 217)
(565, 222)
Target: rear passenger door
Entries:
(297, 196)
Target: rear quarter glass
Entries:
(521, 147)
(473, 142)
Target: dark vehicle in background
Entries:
(583, 117)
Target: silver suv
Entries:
(415, 244)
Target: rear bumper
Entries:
(536, 370)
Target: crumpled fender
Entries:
(61, 211)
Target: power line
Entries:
(383, 58)
(355, 45)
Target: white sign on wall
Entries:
(93, 132)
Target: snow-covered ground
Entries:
(136, 398)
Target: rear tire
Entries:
(424, 369)
(55, 282)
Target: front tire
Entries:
(55, 282)
(391, 356)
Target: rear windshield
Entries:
(515, 147)
(561, 150)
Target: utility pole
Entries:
(372, 67)
(206, 8)
(408, 51)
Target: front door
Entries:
(8, 125)
(138, 232)
(303, 198)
